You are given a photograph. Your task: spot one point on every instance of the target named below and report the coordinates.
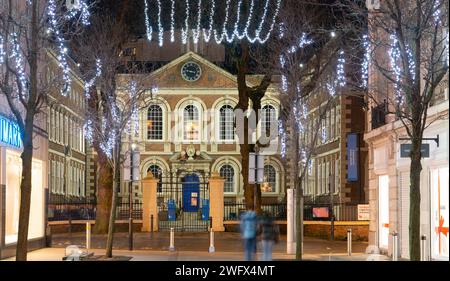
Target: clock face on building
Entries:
(191, 71)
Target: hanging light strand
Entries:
(264, 40)
(148, 26)
(185, 30)
(172, 21)
(196, 32)
(207, 34)
(160, 26)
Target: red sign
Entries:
(321, 212)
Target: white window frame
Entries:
(277, 179)
(235, 178)
(163, 123)
(200, 123)
(225, 122)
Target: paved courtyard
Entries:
(199, 242)
(194, 247)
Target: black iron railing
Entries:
(233, 211)
(123, 211)
(85, 209)
(71, 211)
(311, 212)
(322, 212)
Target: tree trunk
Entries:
(104, 193)
(248, 190)
(25, 198)
(299, 221)
(298, 197)
(116, 187)
(27, 139)
(414, 193)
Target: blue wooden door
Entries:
(191, 193)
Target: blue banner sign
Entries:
(352, 157)
(9, 132)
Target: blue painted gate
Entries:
(191, 193)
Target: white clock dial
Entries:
(191, 71)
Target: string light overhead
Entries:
(226, 34)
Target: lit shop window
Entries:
(13, 176)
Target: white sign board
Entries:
(363, 212)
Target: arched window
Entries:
(270, 179)
(226, 123)
(155, 122)
(191, 124)
(268, 120)
(227, 172)
(157, 173)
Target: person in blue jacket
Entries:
(248, 232)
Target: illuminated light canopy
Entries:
(226, 33)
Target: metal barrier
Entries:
(212, 249)
(172, 240)
(88, 235)
(394, 246)
(423, 242)
(349, 242)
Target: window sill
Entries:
(155, 141)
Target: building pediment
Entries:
(212, 76)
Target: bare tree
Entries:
(309, 58)
(407, 53)
(114, 100)
(28, 29)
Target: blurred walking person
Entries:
(269, 235)
(248, 232)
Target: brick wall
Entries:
(360, 232)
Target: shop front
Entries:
(10, 180)
(434, 193)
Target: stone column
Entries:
(216, 201)
(149, 202)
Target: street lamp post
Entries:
(256, 171)
(331, 188)
(66, 152)
(130, 205)
(130, 196)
